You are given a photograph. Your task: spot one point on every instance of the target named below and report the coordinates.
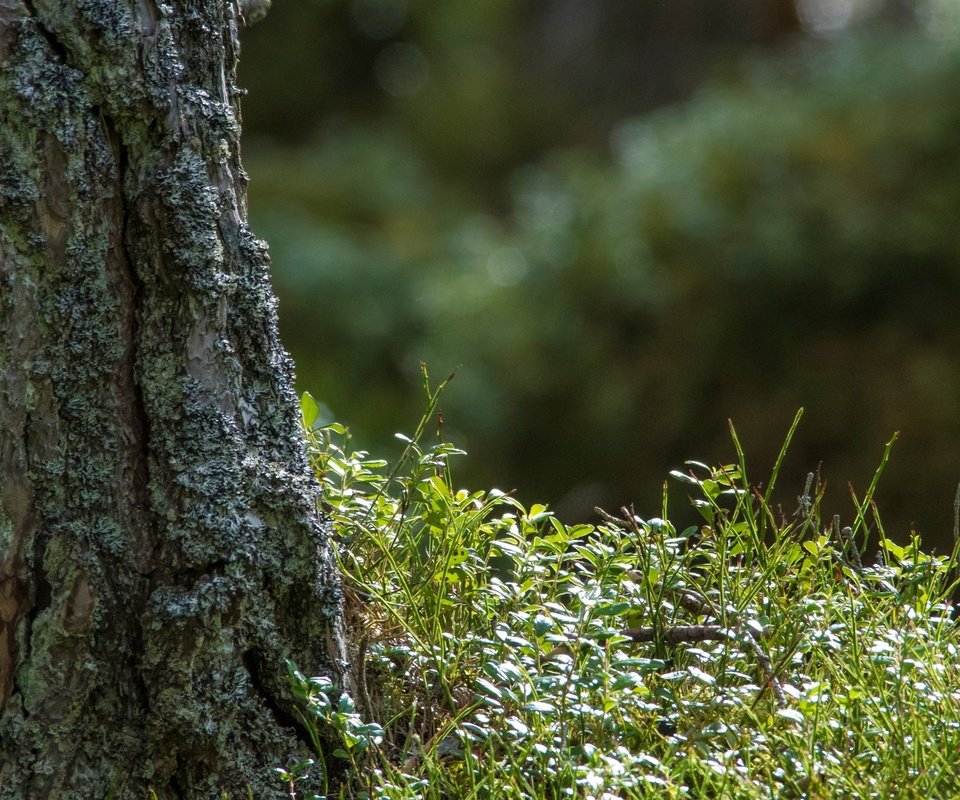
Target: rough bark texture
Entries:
(160, 548)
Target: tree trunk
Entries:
(161, 551)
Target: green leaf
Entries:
(893, 548)
(613, 610)
(683, 477)
(539, 707)
(309, 409)
(703, 677)
(628, 680)
(538, 513)
(791, 714)
(490, 692)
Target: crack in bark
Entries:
(51, 38)
(14, 589)
(128, 262)
(18, 594)
(174, 784)
(42, 598)
(139, 418)
(253, 662)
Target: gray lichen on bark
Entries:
(161, 553)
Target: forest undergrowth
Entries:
(500, 653)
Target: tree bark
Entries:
(161, 552)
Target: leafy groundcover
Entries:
(500, 653)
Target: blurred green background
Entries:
(624, 221)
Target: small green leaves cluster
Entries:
(505, 654)
(321, 714)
